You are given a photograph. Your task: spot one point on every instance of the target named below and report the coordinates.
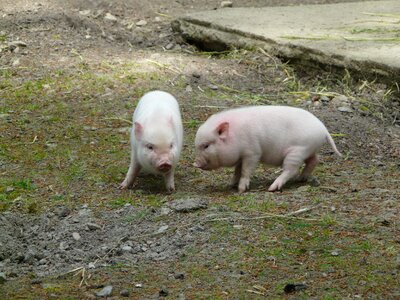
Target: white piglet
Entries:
(156, 138)
(275, 135)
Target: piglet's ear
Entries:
(138, 130)
(222, 130)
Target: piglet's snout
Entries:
(164, 166)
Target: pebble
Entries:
(238, 226)
(93, 226)
(163, 292)
(76, 236)
(346, 109)
(335, 252)
(110, 17)
(188, 204)
(16, 62)
(339, 100)
(105, 292)
(9, 189)
(63, 246)
(169, 46)
(138, 285)
(226, 4)
(3, 277)
(196, 75)
(124, 293)
(180, 276)
(141, 23)
(189, 89)
(161, 229)
(85, 12)
(165, 211)
(213, 87)
(126, 248)
(157, 19)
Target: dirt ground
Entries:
(70, 75)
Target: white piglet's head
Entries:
(210, 144)
(157, 149)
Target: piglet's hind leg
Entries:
(291, 164)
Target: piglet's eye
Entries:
(150, 147)
(206, 146)
(171, 146)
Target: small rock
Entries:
(124, 293)
(189, 89)
(93, 226)
(138, 285)
(3, 277)
(62, 211)
(85, 12)
(238, 226)
(180, 276)
(163, 292)
(213, 87)
(16, 62)
(161, 229)
(165, 211)
(91, 265)
(189, 204)
(9, 189)
(169, 46)
(141, 23)
(63, 246)
(110, 17)
(324, 99)
(196, 75)
(157, 19)
(105, 292)
(126, 248)
(339, 100)
(42, 262)
(346, 109)
(76, 236)
(335, 252)
(226, 4)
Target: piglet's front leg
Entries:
(170, 181)
(249, 163)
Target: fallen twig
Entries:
(119, 119)
(264, 216)
(300, 211)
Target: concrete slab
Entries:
(360, 36)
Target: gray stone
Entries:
(85, 12)
(124, 293)
(141, 23)
(189, 204)
(105, 292)
(93, 226)
(189, 89)
(76, 236)
(213, 87)
(111, 18)
(126, 248)
(169, 46)
(226, 4)
(165, 211)
(162, 229)
(345, 109)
